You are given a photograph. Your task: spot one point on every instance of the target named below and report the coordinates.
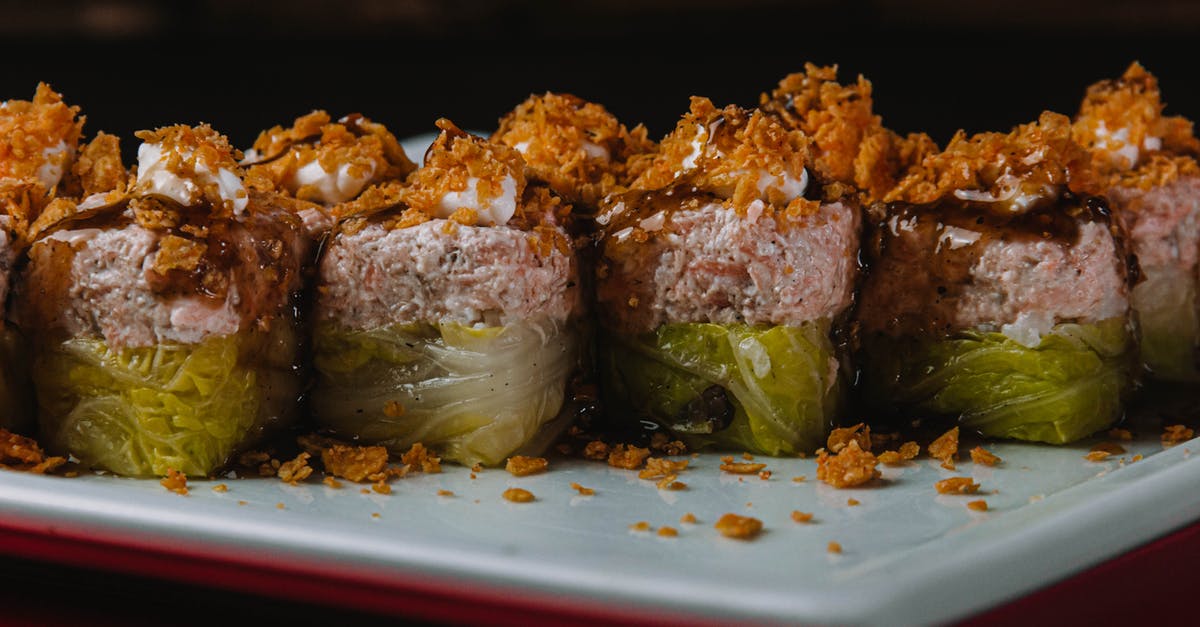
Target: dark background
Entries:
(937, 65)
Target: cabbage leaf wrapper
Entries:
(472, 394)
(1170, 323)
(187, 407)
(771, 390)
(16, 404)
(1072, 384)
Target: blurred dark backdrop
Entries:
(937, 65)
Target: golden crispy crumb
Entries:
(661, 467)
(22, 453)
(381, 487)
(688, 518)
(668, 532)
(374, 514)
(280, 506)
(839, 438)
(669, 483)
(1175, 434)
(296, 470)
(742, 468)
(220, 487)
(1120, 434)
(799, 479)
(1109, 447)
(980, 455)
(801, 517)
(456, 161)
(1097, 456)
(477, 467)
(596, 450)
(909, 450)
(833, 547)
(739, 527)
(1032, 156)
(445, 493)
(242, 502)
(627, 456)
(521, 466)
(665, 445)
(978, 506)
(364, 491)
(517, 495)
(1135, 458)
(582, 490)
(641, 525)
(31, 130)
(748, 457)
(945, 448)
(1122, 123)
(331, 482)
(355, 463)
(764, 474)
(957, 485)
(420, 457)
(852, 466)
(175, 481)
(852, 502)
(890, 458)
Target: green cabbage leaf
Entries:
(1167, 312)
(471, 394)
(187, 407)
(772, 390)
(1072, 384)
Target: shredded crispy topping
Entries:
(657, 467)
(850, 143)
(735, 154)
(742, 468)
(667, 532)
(18, 452)
(420, 457)
(1034, 159)
(175, 481)
(355, 463)
(31, 133)
(456, 157)
(839, 438)
(582, 490)
(576, 147)
(1176, 434)
(738, 527)
(627, 456)
(982, 456)
(802, 517)
(521, 466)
(296, 470)
(518, 495)
(1133, 144)
(977, 506)
(850, 467)
(196, 154)
(957, 485)
(833, 547)
(99, 167)
(945, 448)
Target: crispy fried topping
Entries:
(1132, 143)
(220, 488)
(738, 527)
(576, 147)
(175, 481)
(1111, 448)
(957, 485)
(596, 450)
(99, 167)
(801, 517)
(521, 466)
(38, 137)
(839, 438)
(354, 150)
(664, 444)
(668, 532)
(457, 162)
(420, 457)
(688, 518)
(1175, 434)
(977, 506)
(1000, 169)
(1097, 456)
(850, 143)
(21, 453)
(907, 451)
(196, 154)
(355, 463)
(627, 456)
(735, 154)
(518, 495)
(582, 490)
(296, 470)
(982, 456)
(640, 525)
(833, 547)
(850, 467)
(741, 468)
(945, 448)
(661, 467)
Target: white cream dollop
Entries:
(790, 186)
(497, 210)
(331, 187)
(156, 178)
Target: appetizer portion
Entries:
(318, 164)
(575, 147)
(162, 313)
(448, 317)
(39, 139)
(997, 293)
(1147, 168)
(850, 143)
(723, 275)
